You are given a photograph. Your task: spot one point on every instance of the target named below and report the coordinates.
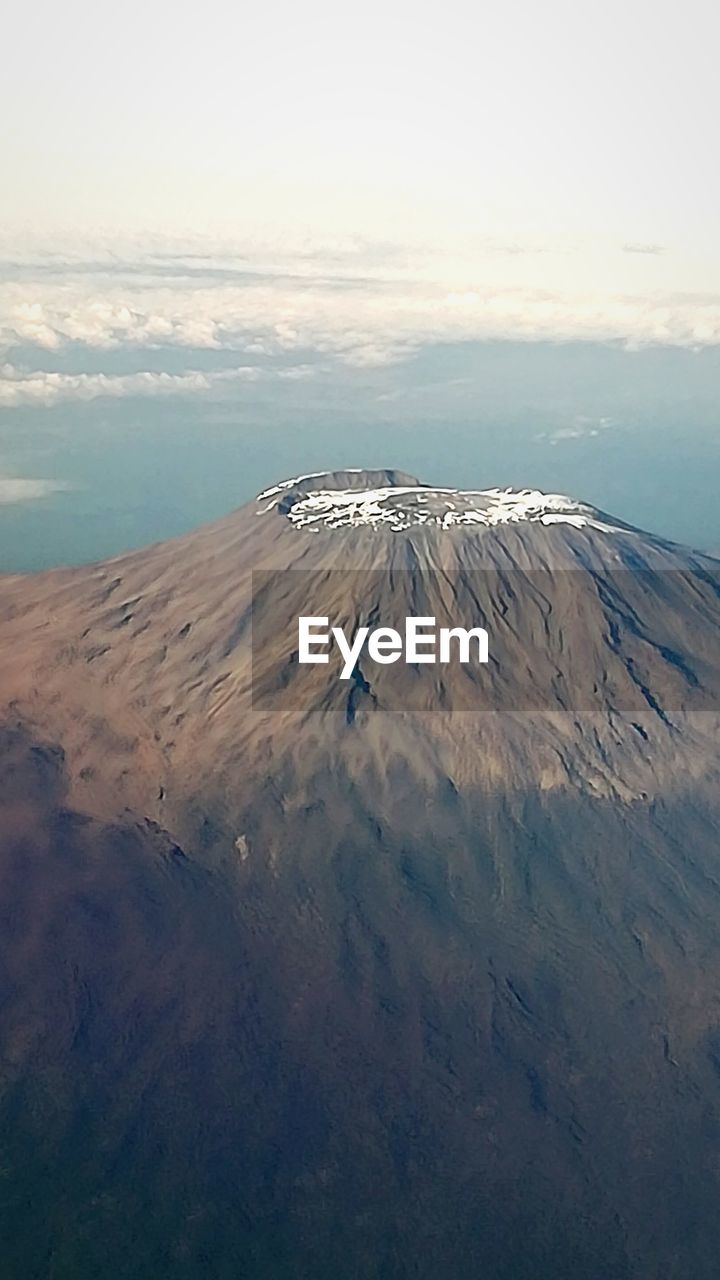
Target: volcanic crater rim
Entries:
(396, 507)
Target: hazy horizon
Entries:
(483, 247)
(634, 433)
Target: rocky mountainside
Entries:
(414, 974)
(603, 652)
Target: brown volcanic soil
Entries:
(142, 666)
(349, 983)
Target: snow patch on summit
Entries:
(396, 508)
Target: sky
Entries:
(212, 208)
(558, 119)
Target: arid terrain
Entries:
(415, 975)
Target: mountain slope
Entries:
(605, 635)
(416, 977)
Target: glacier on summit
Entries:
(399, 507)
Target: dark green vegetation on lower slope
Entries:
(482, 1040)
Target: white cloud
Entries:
(352, 303)
(640, 247)
(360, 322)
(15, 489)
(47, 389)
(581, 428)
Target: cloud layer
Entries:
(47, 389)
(355, 306)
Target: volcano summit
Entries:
(413, 974)
(400, 507)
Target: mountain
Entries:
(411, 974)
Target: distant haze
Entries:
(635, 433)
(582, 125)
(477, 243)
